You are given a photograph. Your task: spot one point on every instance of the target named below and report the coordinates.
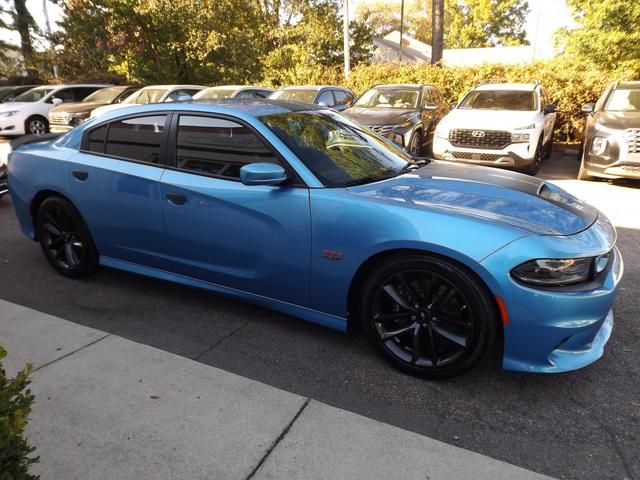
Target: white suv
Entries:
(28, 112)
(501, 125)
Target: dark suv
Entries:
(611, 147)
(407, 114)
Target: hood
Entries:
(501, 196)
(379, 116)
(76, 107)
(14, 105)
(488, 119)
(618, 120)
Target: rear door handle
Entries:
(82, 176)
(176, 198)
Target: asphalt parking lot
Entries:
(579, 425)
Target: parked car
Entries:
(611, 147)
(27, 113)
(301, 210)
(4, 189)
(66, 116)
(153, 94)
(232, 91)
(407, 114)
(500, 125)
(7, 94)
(337, 98)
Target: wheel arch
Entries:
(38, 200)
(35, 115)
(484, 279)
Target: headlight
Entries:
(78, 118)
(599, 145)
(9, 113)
(528, 127)
(519, 138)
(554, 271)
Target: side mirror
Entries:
(184, 98)
(323, 104)
(549, 108)
(430, 107)
(56, 101)
(453, 105)
(588, 108)
(262, 173)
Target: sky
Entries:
(545, 17)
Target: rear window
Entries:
(516, 100)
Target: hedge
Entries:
(569, 83)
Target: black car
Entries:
(407, 114)
(7, 94)
(611, 147)
(337, 98)
(3, 180)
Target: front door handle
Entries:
(176, 198)
(82, 176)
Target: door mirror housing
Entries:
(430, 107)
(56, 101)
(549, 108)
(453, 105)
(262, 173)
(323, 104)
(588, 108)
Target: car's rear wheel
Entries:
(65, 239)
(36, 125)
(428, 316)
(415, 144)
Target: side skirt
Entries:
(324, 319)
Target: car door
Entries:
(114, 181)
(251, 238)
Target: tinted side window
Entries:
(66, 95)
(342, 97)
(95, 142)
(246, 94)
(80, 93)
(327, 98)
(427, 97)
(136, 138)
(215, 146)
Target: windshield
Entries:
(104, 95)
(337, 151)
(215, 93)
(295, 95)
(146, 95)
(403, 98)
(627, 100)
(33, 95)
(517, 100)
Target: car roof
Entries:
(255, 107)
(626, 85)
(525, 87)
(240, 87)
(57, 87)
(311, 87)
(171, 87)
(403, 85)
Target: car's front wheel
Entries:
(415, 144)
(36, 126)
(428, 316)
(65, 239)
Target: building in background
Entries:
(387, 49)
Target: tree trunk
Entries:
(23, 22)
(437, 30)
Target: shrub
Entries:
(15, 406)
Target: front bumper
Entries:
(561, 329)
(516, 155)
(11, 125)
(622, 165)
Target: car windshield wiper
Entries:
(415, 164)
(369, 179)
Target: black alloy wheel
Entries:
(64, 238)
(428, 316)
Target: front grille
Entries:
(59, 118)
(632, 136)
(485, 157)
(381, 129)
(496, 139)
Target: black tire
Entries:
(446, 346)
(548, 149)
(538, 156)
(65, 239)
(583, 173)
(416, 144)
(36, 125)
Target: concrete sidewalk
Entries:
(108, 408)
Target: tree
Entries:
(608, 32)
(23, 23)
(437, 30)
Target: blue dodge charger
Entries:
(301, 210)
